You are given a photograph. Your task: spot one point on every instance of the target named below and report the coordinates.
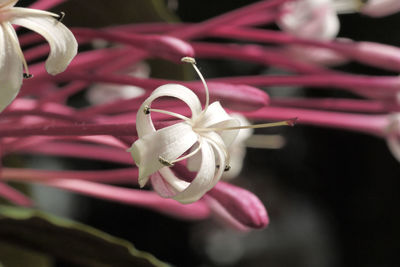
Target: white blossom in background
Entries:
(310, 19)
(372, 8)
(63, 46)
(101, 93)
(315, 20)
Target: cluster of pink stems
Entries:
(40, 123)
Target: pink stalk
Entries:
(357, 83)
(223, 216)
(16, 144)
(46, 4)
(166, 47)
(195, 211)
(126, 175)
(77, 150)
(14, 196)
(241, 204)
(339, 104)
(241, 97)
(127, 129)
(369, 124)
(373, 54)
(203, 28)
(255, 54)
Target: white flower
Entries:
(372, 8)
(63, 46)
(380, 8)
(156, 150)
(205, 138)
(310, 19)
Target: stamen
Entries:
(147, 111)
(265, 141)
(290, 122)
(193, 62)
(15, 41)
(227, 167)
(165, 162)
(171, 163)
(61, 16)
(27, 75)
(226, 154)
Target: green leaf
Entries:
(68, 241)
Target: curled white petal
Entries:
(144, 122)
(168, 143)
(63, 45)
(216, 117)
(205, 179)
(10, 65)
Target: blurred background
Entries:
(332, 195)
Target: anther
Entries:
(165, 162)
(61, 16)
(227, 167)
(146, 110)
(27, 75)
(292, 122)
(188, 60)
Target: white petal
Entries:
(205, 179)
(170, 188)
(216, 117)
(143, 121)
(10, 66)
(63, 46)
(311, 19)
(7, 3)
(201, 183)
(380, 8)
(168, 143)
(194, 162)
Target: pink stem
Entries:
(127, 175)
(354, 105)
(195, 211)
(127, 129)
(14, 196)
(369, 124)
(46, 4)
(166, 47)
(373, 54)
(203, 28)
(357, 83)
(255, 54)
(76, 150)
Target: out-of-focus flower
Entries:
(310, 19)
(380, 8)
(101, 93)
(372, 8)
(315, 20)
(12, 62)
